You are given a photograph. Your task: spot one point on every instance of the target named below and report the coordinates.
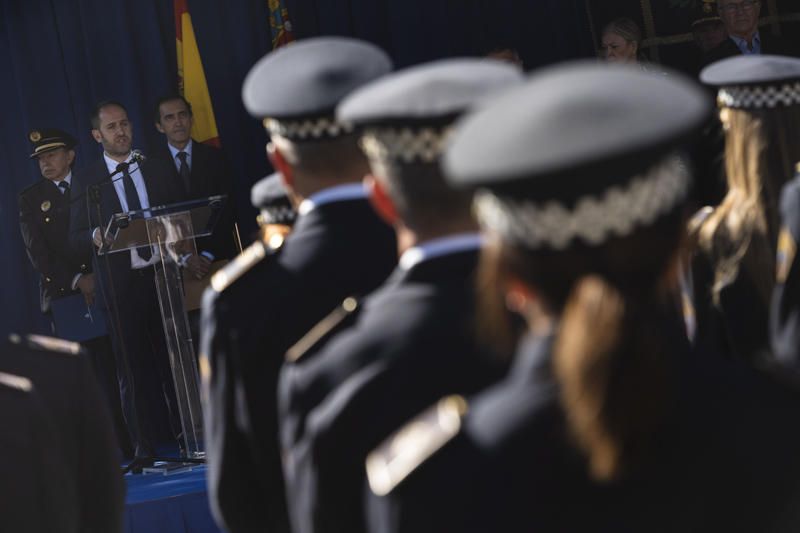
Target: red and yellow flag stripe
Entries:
(192, 79)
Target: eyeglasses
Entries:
(745, 5)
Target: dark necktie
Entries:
(184, 171)
(132, 198)
(64, 186)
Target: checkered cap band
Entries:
(405, 145)
(282, 214)
(619, 211)
(767, 97)
(309, 129)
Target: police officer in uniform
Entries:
(785, 310)
(414, 339)
(271, 295)
(62, 376)
(607, 421)
(44, 211)
(35, 490)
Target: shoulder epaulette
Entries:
(245, 261)
(16, 382)
(31, 187)
(404, 451)
(787, 250)
(49, 344)
(322, 329)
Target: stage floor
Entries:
(176, 503)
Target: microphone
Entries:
(138, 157)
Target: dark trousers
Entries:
(143, 371)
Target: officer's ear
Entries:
(380, 200)
(281, 165)
(97, 136)
(159, 128)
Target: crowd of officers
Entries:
(484, 301)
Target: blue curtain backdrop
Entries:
(59, 57)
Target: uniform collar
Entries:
(434, 248)
(67, 178)
(339, 193)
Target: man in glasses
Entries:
(740, 18)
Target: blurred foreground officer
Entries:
(35, 490)
(734, 275)
(607, 421)
(66, 385)
(276, 213)
(785, 311)
(338, 247)
(415, 338)
(44, 219)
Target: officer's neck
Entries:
(408, 238)
(59, 178)
(118, 158)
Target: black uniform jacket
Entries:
(785, 311)
(723, 458)
(770, 44)
(337, 250)
(161, 190)
(413, 342)
(209, 176)
(36, 492)
(67, 386)
(44, 215)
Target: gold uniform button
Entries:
(47, 219)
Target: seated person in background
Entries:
(63, 379)
(621, 41)
(740, 18)
(415, 339)
(338, 247)
(607, 421)
(734, 273)
(708, 29)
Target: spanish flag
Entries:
(191, 77)
(279, 24)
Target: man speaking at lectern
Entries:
(125, 181)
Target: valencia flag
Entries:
(192, 78)
(279, 24)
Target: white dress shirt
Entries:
(141, 191)
(174, 151)
(67, 178)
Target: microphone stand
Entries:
(93, 198)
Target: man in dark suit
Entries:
(122, 182)
(414, 340)
(271, 295)
(62, 376)
(44, 219)
(201, 171)
(740, 18)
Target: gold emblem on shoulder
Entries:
(787, 250)
(35, 136)
(402, 453)
(46, 205)
(52, 344)
(325, 326)
(16, 382)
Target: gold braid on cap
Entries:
(768, 97)
(405, 145)
(618, 212)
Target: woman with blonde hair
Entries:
(621, 41)
(607, 421)
(759, 100)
